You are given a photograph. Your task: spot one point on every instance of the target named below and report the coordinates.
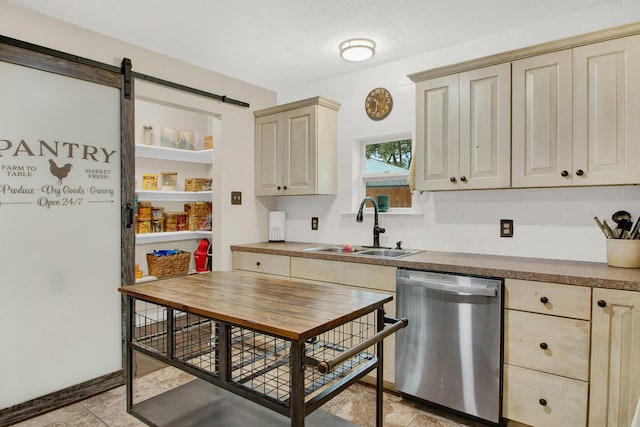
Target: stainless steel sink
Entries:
(359, 251)
(386, 253)
(331, 249)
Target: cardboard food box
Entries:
(207, 142)
(198, 208)
(197, 184)
(149, 181)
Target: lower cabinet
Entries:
(615, 358)
(540, 399)
(546, 353)
(364, 276)
(358, 276)
(261, 263)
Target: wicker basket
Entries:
(168, 265)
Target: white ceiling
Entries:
(285, 43)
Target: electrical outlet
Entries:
(506, 228)
(314, 222)
(236, 197)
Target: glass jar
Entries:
(147, 134)
(169, 181)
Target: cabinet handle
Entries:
(543, 402)
(564, 173)
(579, 172)
(602, 303)
(544, 346)
(463, 178)
(544, 300)
(258, 263)
(453, 179)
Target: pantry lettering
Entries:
(57, 149)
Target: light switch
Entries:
(236, 197)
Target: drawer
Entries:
(345, 273)
(540, 399)
(548, 298)
(261, 263)
(566, 341)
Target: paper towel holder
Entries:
(277, 226)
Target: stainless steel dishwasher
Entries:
(450, 354)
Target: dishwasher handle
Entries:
(450, 288)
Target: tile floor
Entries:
(356, 404)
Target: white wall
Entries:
(548, 223)
(233, 168)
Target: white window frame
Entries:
(363, 178)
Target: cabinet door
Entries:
(541, 120)
(615, 356)
(437, 133)
(268, 155)
(606, 91)
(485, 128)
(299, 150)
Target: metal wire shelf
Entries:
(259, 363)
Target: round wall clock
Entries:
(378, 103)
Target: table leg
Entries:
(379, 370)
(297, 384)
(129, 316)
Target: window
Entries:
(385, 169)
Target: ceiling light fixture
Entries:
(357, 49)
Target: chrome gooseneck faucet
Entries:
(376, 229)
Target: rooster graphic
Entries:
(59, 172)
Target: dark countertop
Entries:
(592, 274)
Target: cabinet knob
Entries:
(579, 172)
(453, 179)
(285, 187)
(564, 173)
(463, 178)
(602, 303)
(543, 402)
(544, 346)
(258, 263)
(544, 300)
(279, 188)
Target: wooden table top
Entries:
(276, 306)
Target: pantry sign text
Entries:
(55, 174)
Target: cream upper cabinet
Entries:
(438, 133)
(463, 130)
(606, 128)
(541, 106)
(296, 148)
(615, 357)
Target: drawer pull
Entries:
(258, 263)
(602, 303)
(544, 346)
(543, 402)
(544, 300)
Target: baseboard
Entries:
(60, 398)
